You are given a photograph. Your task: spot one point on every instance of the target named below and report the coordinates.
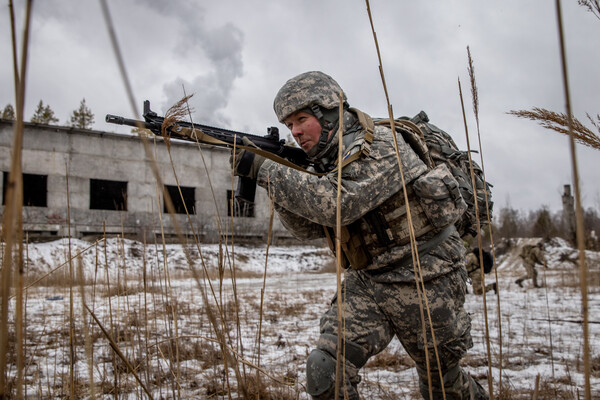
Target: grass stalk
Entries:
(118, 352)
(480, 246)
(264, 284)
(89, 348)
(71, 284)
(475, 100)
(339, 370)
(12, 224)
(549, 329)
(420, 284)
(169, 204)
(583, 272)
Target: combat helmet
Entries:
(316, 93)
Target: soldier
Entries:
(380, 295)
(532, 255)
(474, 270)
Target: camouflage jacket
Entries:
(537, 256)
(306, 202)
(472, 264)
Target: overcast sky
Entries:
(235, 55)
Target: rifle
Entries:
(205, 134)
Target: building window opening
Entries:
(108, 195)
(35, 190)
(180, 204)
(241, 208)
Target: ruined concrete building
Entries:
(85, 183)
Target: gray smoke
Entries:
(217, 52)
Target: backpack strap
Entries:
(368, 126)
(412, 134)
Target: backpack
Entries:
(488, 260)
(435, 147)
(526, 251)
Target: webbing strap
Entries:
(369, 127)
(422, 250)
(365, 121)
(197, 134)
(413, 135)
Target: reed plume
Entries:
(176, 113)
(592, 6)
(559, 122)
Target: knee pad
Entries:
(320, 374)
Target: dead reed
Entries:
(147, 334)
(558, 122)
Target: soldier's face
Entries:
(305, 129)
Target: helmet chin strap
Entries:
(326, 127)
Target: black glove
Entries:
(246, 162)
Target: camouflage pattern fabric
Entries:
(535, 255)
(366, 184)
(305, 90)
(474, 270)
(375, 312)
(381, 301)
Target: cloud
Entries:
(235, 56)
(214, 54)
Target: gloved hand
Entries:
(246, 163)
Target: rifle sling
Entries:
(197, 134)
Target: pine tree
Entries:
(82, 117)
(43, 115)
(8, 113)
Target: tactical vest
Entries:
(435, 204)
(379, 230)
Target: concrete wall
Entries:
(74, 156)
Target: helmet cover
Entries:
(306, 90)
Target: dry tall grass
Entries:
(143, 337)
(559, 122)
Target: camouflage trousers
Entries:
(376, 312)
(476, 282)
(531, 273)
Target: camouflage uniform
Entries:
(474, 271)
(533, 256)
(380, 301)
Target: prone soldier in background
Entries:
(380, 294)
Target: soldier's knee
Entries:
(320, 374)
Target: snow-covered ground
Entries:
(152, 305)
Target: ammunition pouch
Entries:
(440, 196)
(435, 203)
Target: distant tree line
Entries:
(511, 223)
(81, 117)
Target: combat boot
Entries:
(519, 282)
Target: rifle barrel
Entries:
(118, 120)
